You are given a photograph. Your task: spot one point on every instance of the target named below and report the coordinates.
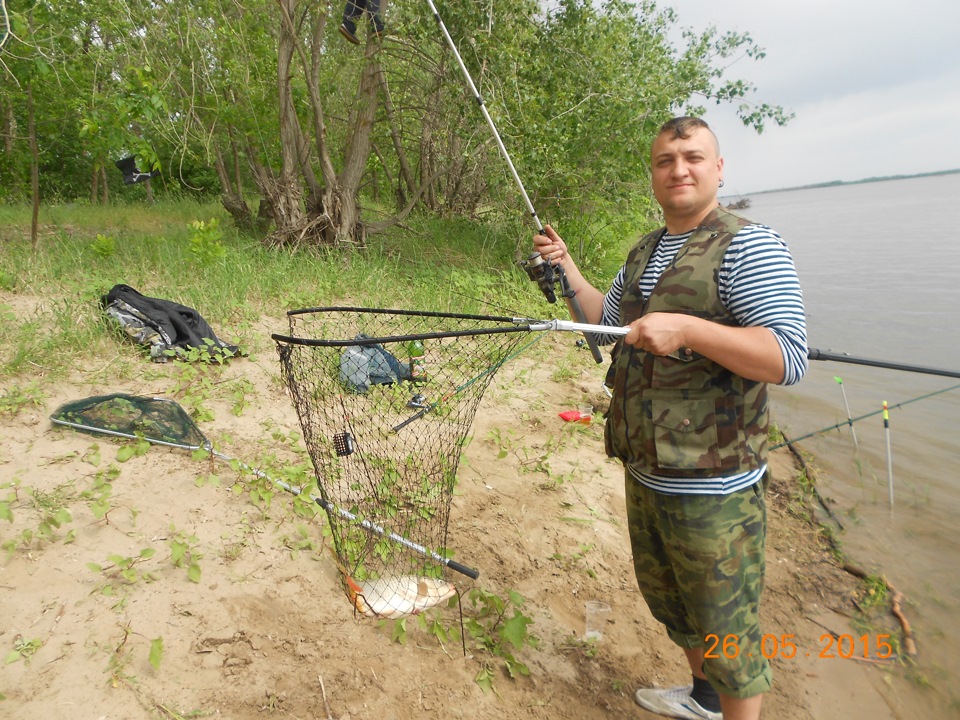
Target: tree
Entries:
(250, 98)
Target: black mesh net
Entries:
(160, 421)
(386, 399)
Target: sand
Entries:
(268, 632)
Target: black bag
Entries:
(162, 325)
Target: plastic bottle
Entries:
(415, 352)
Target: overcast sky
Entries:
(875, 86)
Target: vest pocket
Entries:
(685, 433)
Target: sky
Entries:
(875, 87)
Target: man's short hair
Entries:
(684, 126)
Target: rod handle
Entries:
(463, 569)
(573, 305)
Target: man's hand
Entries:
(751, 352)
(659, 333)
(551, 246)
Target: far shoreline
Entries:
(838, 183)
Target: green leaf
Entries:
(399, 632)
(193, 572)
(95, 567)
(156, 652)
(5, 513)
(514, 630)
(92, 455)
(484, 679)
(125, 453)
(147, 553)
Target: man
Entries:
(715, 313)
(352, 12)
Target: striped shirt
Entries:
(759, 286)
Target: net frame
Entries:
(159, 421)
(380, 459)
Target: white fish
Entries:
(399, 596)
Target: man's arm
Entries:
(751, 352)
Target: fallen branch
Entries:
(896, 597)
(909, 646)
(323, 692)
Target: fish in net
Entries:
(386, 399)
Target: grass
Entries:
(49, 296)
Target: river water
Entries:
(880, 268)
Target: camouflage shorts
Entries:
(699, 561)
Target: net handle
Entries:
(208, 447)
(518, 325)
(366, 524)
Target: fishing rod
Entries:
(815, 354)
(850, 421)
(543, 273)
(812, 353)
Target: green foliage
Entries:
(23, 650)
(131, 449)
(576, 91)
(184, 553)
(205, 241)
(52, 513)
(16, 398)
(100, 492)
(301, 540)
(156, 652)
(499, 629)
(6, 503)
(122, 573)
(103, 246)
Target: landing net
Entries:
(386, 399)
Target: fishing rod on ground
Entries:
(546, 276)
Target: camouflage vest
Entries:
(683, 415)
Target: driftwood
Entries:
(896, 598)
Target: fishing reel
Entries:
(545, 275)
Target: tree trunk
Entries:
(405, 171)
(231, 200)
(286, 194)
(34, 167)
(9, 127)
(95, 183)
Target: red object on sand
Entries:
(570, 415)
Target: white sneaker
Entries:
(674, 702)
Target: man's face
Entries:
(686, 176)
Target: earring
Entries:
(721, 183)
